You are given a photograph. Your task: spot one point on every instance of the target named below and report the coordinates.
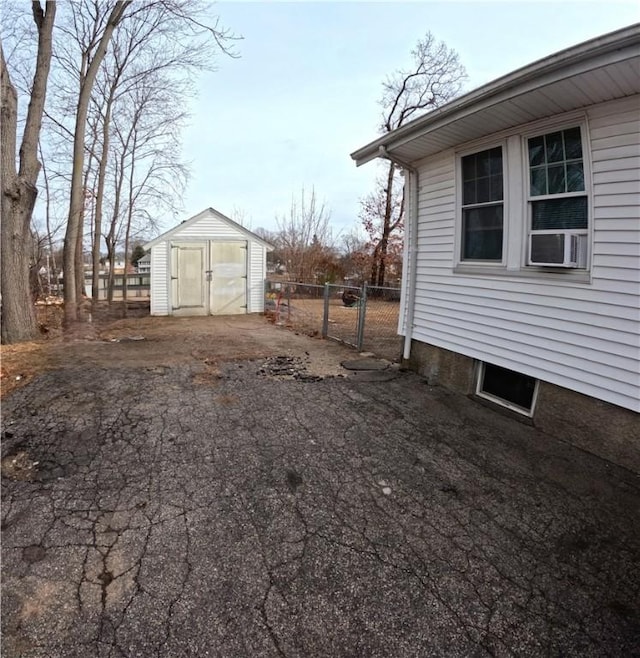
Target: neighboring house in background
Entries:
(521, 281)
(207, 265)
(143, 266)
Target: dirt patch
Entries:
(380, 328)
(20, 363)
(106, 340)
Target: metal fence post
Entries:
(325, 315)
(362, 310)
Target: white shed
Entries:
(208, 265)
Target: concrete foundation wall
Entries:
(606, 430)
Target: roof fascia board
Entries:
(489, 102)
(617, 46)
(242, 229)
(167, 234)
(192, 220)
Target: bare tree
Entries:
(435, 78)
(19, 191)
(356, 257)
(304, 236)
(150, 177)
(382, 216)
(168, 36)
(241, 216)
(92, 58)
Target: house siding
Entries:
(579, 335)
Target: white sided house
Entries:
(522, 252)
(208, 265)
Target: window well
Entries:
(508, 388)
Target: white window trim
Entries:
(459, 263)
(500, 401)
(545, 129)
(516, 212)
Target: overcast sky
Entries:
(304, 93)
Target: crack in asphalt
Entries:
(275, 516)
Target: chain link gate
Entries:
(364, 317)
(344, 310)
(380, 326)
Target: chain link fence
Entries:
(296, 305)
(380, 322)
(343, 313)
(364, 317)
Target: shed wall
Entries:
(208, 227)
(159, 286)
(256, 274)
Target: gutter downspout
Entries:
(412, 251)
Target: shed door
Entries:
(188, 278)
(228, 278)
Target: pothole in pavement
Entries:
(366, 369)
(291, 367)
(19, 466)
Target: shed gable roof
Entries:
(208, 212)
(592, 72)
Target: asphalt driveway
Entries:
(261, 506)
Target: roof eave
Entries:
(167, 234)
(512, 82)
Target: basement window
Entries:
(507, 388)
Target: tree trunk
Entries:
(79, 270)
(127, 234)
(19, 190)
(379, 256)
(102, 174)
(111, 278)
(374, 265)
(76, 203)
(52, 262)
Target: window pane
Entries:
(572, 144)
(575, 177)
(484, 190)
(536, 151)
(469, 192)
(496, 188)
(482, 233)
(556, 179)
(538, 181)
(484, 163)
(469, 167)
(555, 152)
(482, 177)
(496, 161)
(508, 385)
(551, 214)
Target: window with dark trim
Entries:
(482, 206)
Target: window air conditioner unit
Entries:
(558, 249)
